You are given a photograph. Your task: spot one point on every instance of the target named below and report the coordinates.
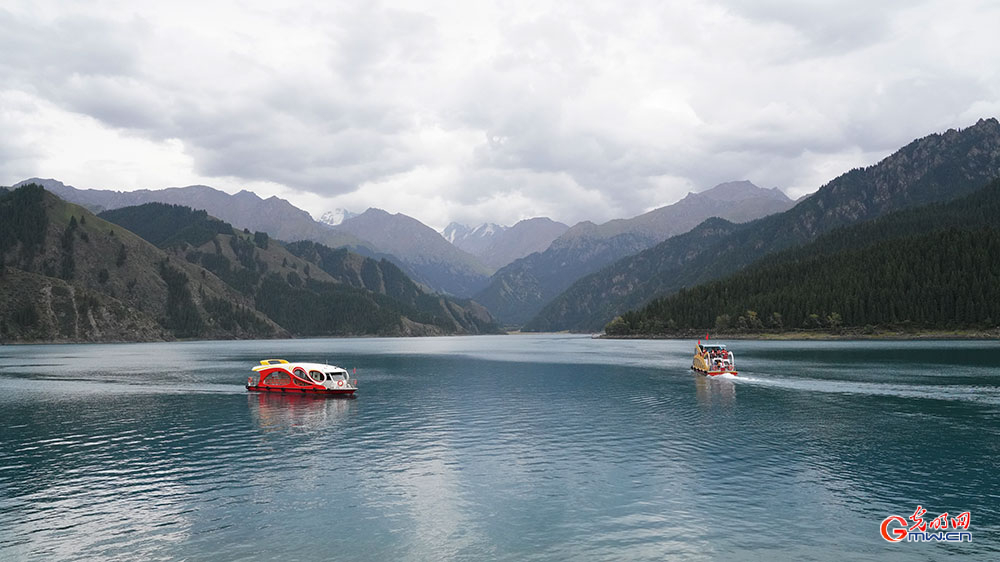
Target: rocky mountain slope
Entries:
(304, 286)
(423, 252)
(71, 276)
(404, 241)
(275, 216)
(68, 275)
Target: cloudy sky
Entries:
(483, 111)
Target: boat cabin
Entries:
(713, 359)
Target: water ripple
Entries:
(527, 448)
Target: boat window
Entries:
(278, 378)
(336, 376)
(316, 375)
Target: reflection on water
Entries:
(714, 390)
(273, 411)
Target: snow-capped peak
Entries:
(455, 232)
(487, 230)
(336, 216)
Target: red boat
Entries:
(278, 375)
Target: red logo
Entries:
(897, 534)
(894, 528)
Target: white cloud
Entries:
(483, 111)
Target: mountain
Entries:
(737, 201)
(68, 275)
(455, 231)
(306, 287)
(939, 167)
(472, 239)
(422, 252)
(336, 216)
(450, 314)
(275, 216)
(935, 267)
(497, 246)
(436, 265)
(521, 289)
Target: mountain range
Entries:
(422, 253)
(69, 275)
(66, 274)
(429, 258)
(939, 167)
(518, 291)
(436, 264)
(934, 267)
(432, 260)
(275, 216)
(576, 278)
(497, 246)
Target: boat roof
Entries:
(322, 367)
(713, 346)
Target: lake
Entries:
(540, 447)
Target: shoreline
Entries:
(189, 340)
(971, 335)
(820, 336)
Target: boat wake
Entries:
(967, 393)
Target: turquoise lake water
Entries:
(545, 447)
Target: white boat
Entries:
(713, 359)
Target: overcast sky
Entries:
(483, 111)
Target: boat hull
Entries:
(303, 390)
(713, 373)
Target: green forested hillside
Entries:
(519, 290)
(164, 225)
(305, 287)
(385, 278)
(935, 267)
(68, 275)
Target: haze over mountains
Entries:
(519, 290)
(538, 257)
(432, 260)
(498, 245)
(459, 262)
